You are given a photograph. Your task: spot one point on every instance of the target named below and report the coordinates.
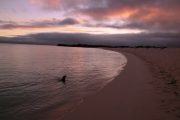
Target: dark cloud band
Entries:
(41, 24)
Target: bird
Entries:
(63, 79)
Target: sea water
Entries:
(30, 74)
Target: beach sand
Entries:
(147, 89)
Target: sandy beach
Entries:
(147, 89)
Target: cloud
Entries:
(69, 21)
(6, 22)
(146, 15)
(39, 24)
(149, 15)
(140, 14)
(47, 4)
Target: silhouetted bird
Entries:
(63, 79)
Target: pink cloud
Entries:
(50, 4)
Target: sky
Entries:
(23, 17)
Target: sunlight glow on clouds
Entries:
(89, 16)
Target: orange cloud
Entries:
(151, 17)
(124, 13)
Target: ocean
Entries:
(29, 78)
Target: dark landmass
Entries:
(106, 46)
(143, 40)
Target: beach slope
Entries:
(130, 96)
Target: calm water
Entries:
(29, 87)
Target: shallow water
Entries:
(29, 86)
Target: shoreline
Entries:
(165, 67)
(127, 97)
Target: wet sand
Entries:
(135, 94)
(165, 67)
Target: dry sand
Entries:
(138, 92)
(165, 68)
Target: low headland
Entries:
(108, 46)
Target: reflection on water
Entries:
(29, 85)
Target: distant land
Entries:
(100, 46)
(147, 40)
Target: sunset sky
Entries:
(21, 17)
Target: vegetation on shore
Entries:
(106, 46)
